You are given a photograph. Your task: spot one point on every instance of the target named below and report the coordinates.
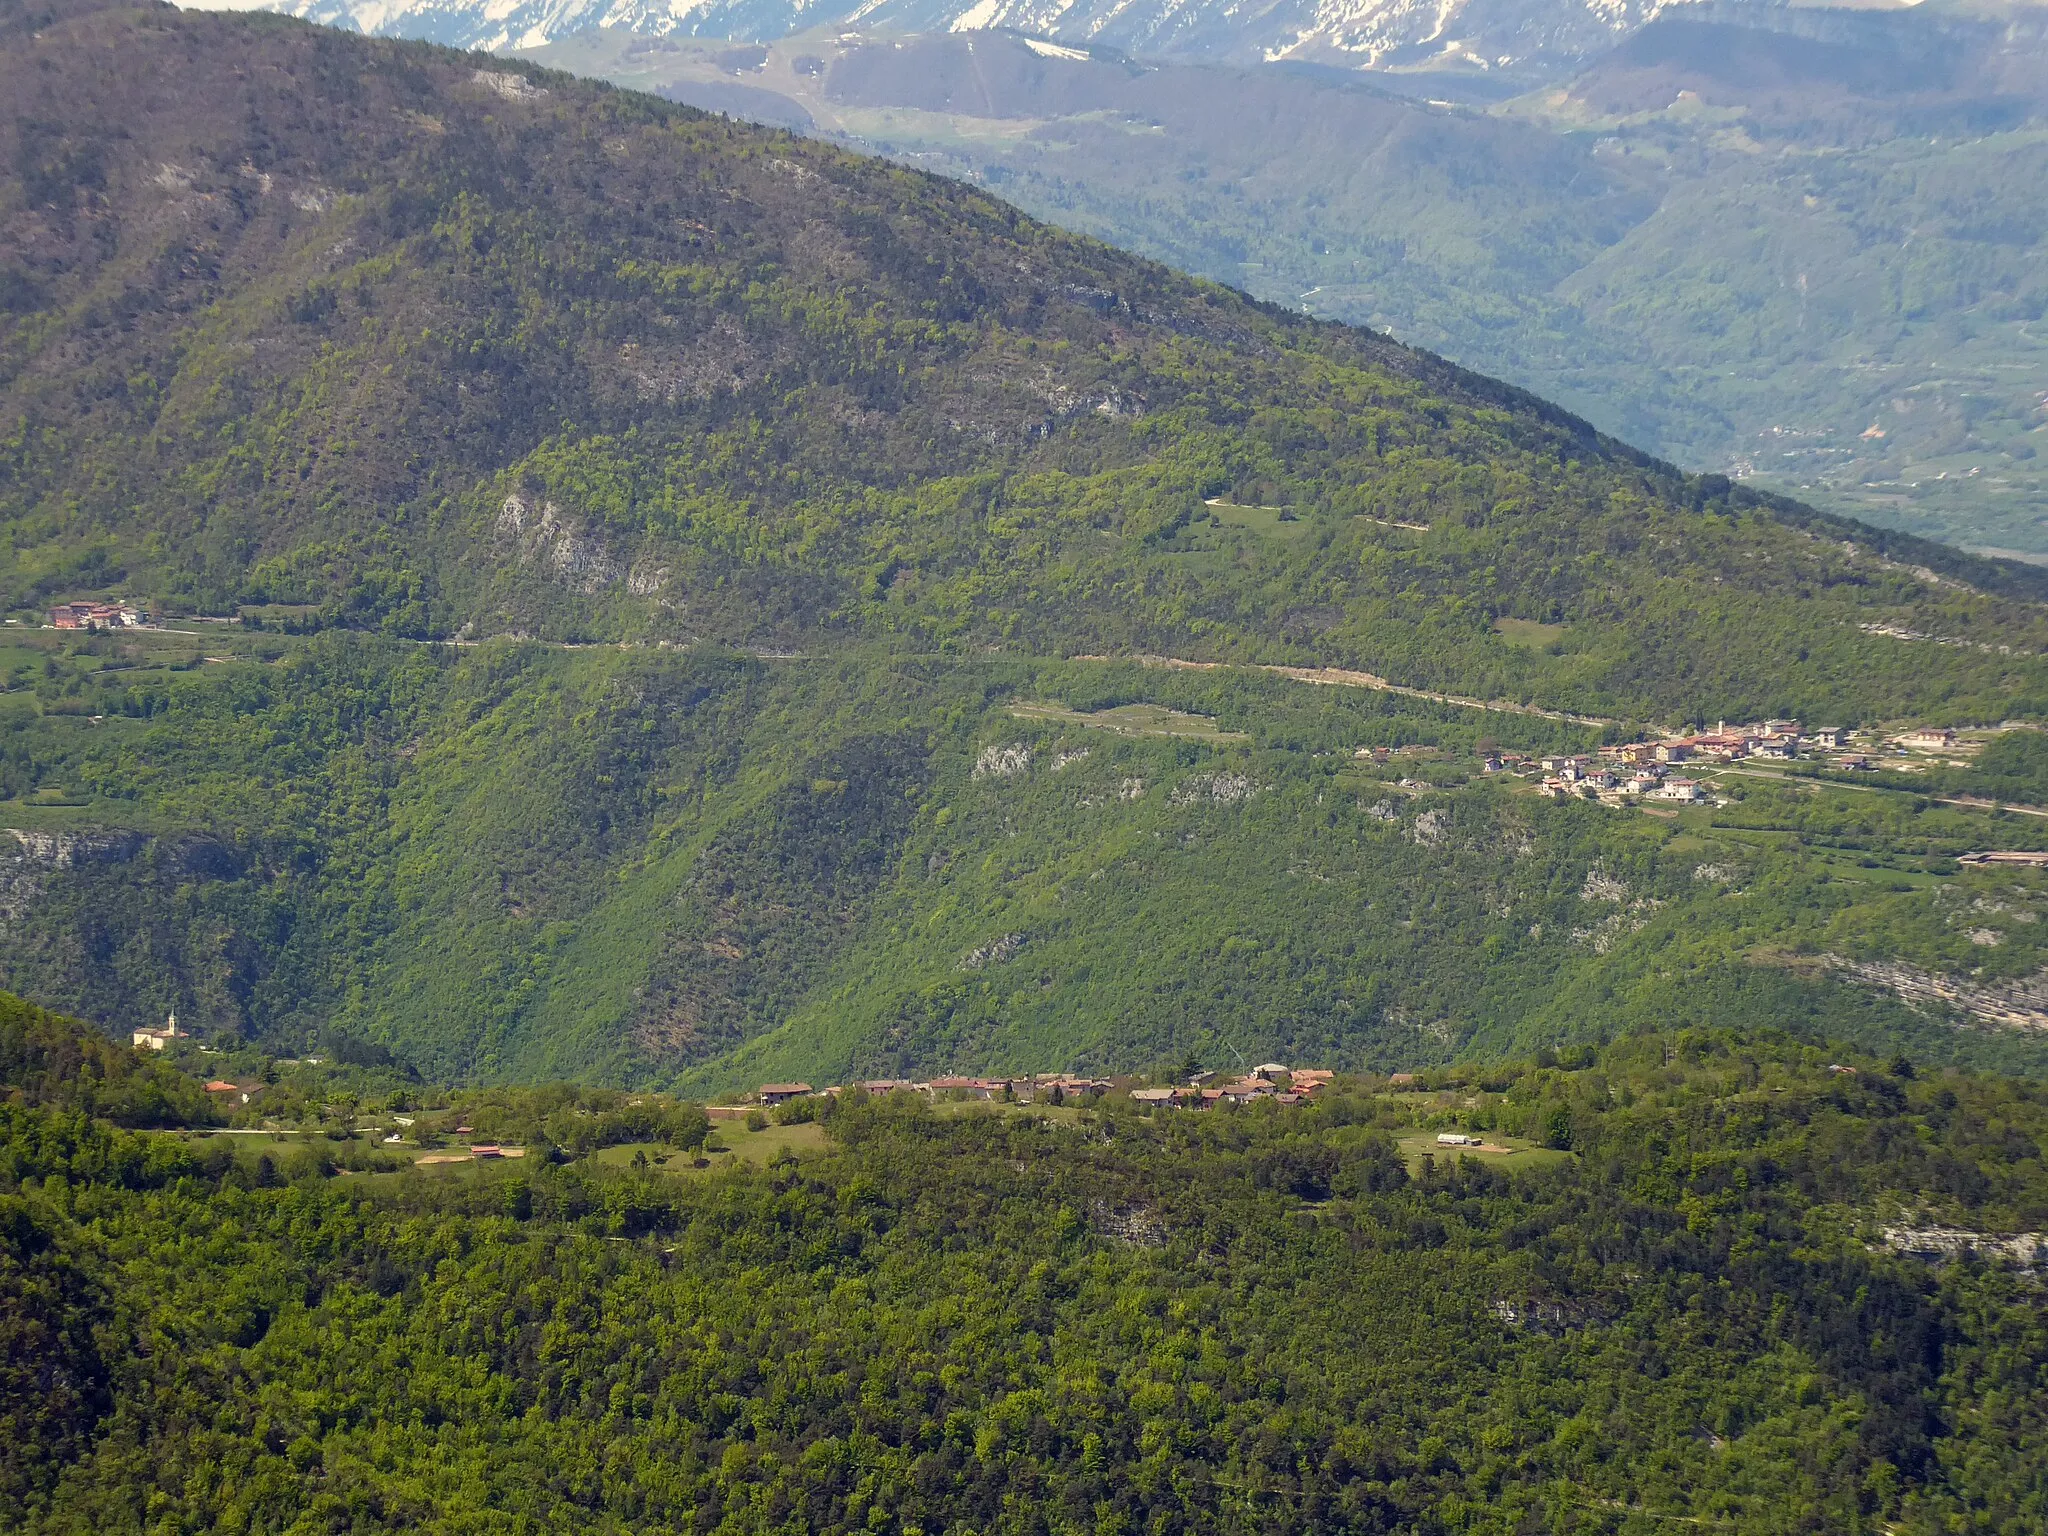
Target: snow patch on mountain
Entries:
(1482, 35)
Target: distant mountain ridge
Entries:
(1479, 36)
(1863, 332)
(1801, 246)
(1923, 72)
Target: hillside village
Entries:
(1664, 770)
(1269, 1081)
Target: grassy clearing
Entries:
(731, 1142)
(1268, 522)
(1889, 877)
(939, 130)
(468, 1168)
(1131, 720)
(1528, 634)
(1518, 1153)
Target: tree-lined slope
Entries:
(515, 862)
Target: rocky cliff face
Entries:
(28, 860)
(2010, 1004)
(2028, 1249)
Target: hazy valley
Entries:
(700, 833)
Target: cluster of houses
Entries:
(1023, 1090)
(1285, 1085)
(1650, 770)
(98, 616)
(476, 1150)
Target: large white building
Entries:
(157, 1039)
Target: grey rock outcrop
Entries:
(27, 863)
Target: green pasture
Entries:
(1519, 1153)
(730, 1144)
(1528, 634)
(1268, 522)
(1131, 720)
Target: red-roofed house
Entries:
(97, 616)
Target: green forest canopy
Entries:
(1269, 1320)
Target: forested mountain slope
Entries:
(350, 335)
(305, 319)
(1724, 1306)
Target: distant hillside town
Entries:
(1273, 1080)
(1648, 770)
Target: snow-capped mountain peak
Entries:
(1526, 36)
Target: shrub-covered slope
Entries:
(638, 866)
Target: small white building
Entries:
(1455, 1139)
(1929, 739)
(1684, 791)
